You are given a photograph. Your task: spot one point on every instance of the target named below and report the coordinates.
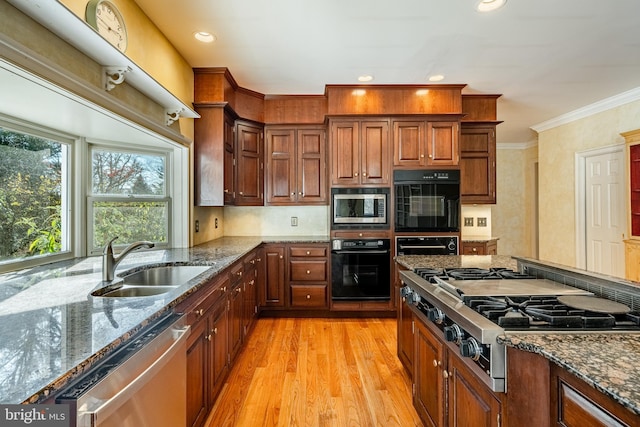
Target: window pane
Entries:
(32, 194)
(130, 221)
(122, 173)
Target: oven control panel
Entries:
(427, 245)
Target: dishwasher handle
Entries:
(92, 418)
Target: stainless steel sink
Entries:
(173, 275)
(152, 281)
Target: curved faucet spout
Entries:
(110, 262)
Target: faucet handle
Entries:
(108, 247)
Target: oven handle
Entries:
(422, 246)
(93, 417)
(373, 251)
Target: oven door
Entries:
(427, 206)
(361, 274)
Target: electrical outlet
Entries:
(468, 222)
(216, 223)
(482, 222)
(197, 225)
(294, 221)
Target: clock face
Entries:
(109, 23)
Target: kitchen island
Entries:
(604, 361)
(52, 331)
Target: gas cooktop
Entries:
(470, 274)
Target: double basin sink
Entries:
(152, 281)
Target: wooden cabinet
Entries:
(308, 276)
(250, 164)
(229, 161)
(478, 163)
(207, 348)
(575, 404)
(488, 247)
(359, 152)
(421, 143)
(252, 265)
(446, 390)
(272, 292)
(404, 324)
(236, 313)
(296, 165)
(209, 155)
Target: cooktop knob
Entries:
(435, 315)
(414, 298)
(452, 245)
(405, 291)
(470, 348)
(453, 333)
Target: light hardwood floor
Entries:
(317, 372)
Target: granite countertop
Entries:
(478, 238)
(607, 362)
(456, 261)
(52, 330)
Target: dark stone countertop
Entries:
(607, 362)
(52, 330)
(456, 261)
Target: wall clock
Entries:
(106, 19)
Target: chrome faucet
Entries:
(110, 262)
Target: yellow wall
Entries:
(557, 149)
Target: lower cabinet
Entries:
(404, 318)
(207, 349)
(446, 390)
(488, 247)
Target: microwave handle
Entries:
(362, 252)
(423, 247)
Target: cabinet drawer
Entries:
(473, 249)
(309, 251)
(308, 270)
(308, 296)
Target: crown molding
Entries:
(589, 110)
(516, 145)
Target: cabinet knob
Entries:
(422, 156)
(308, 272)
(239, 273)
(355, 174)
(364, 174)
(359, 234)
(445, 374)
(308, 252)
(293, 194)
(281, 257)
(430, 156)
(436, 363)
(241, 193)
(475, 249)
(215, 331)
(300, 193)
(238, 289)
(308, 296)
(223, 289)
(226, 191)
(208, 337)
(199, 312)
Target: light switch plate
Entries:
(468, 221)
(482, 222)
(294, 221)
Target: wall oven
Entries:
(427, 200)
(360, 269)
(359, 208)
(427, 245)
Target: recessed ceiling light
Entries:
(365, 78)
(204, 37)
(436, 78)
(489, 5)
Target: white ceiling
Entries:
(546, 57)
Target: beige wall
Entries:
(557, 149)
(276, 221)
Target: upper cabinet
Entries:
(296, 165)
(249, 164)
(422, 143)
(359, 152)
(478, 163)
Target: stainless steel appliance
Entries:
(359, 208)
(472, 307)
(361, 269)
(427, 245)
(427, 200)
(141, 385)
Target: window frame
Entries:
(132, 148)
(69, 185)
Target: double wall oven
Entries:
(361, 267)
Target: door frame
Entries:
(581, 195)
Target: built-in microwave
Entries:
(359, 208)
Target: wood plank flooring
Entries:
(317, 372)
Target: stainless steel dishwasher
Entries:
(141, 385)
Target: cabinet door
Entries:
(229, 161)
(249, 170)
(209, 165)
(235, 318)
(477, 164)
(218, 347)
(374, 152)
(405, 334)
(442, 144)
(197, 374)
(345, 153)
(311, 166)
(429, 366)
(281, 166)
(471, 403)
(272, 294)
(408, 146)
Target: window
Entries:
(128, 198)
(34, 196)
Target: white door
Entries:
(605, 220)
